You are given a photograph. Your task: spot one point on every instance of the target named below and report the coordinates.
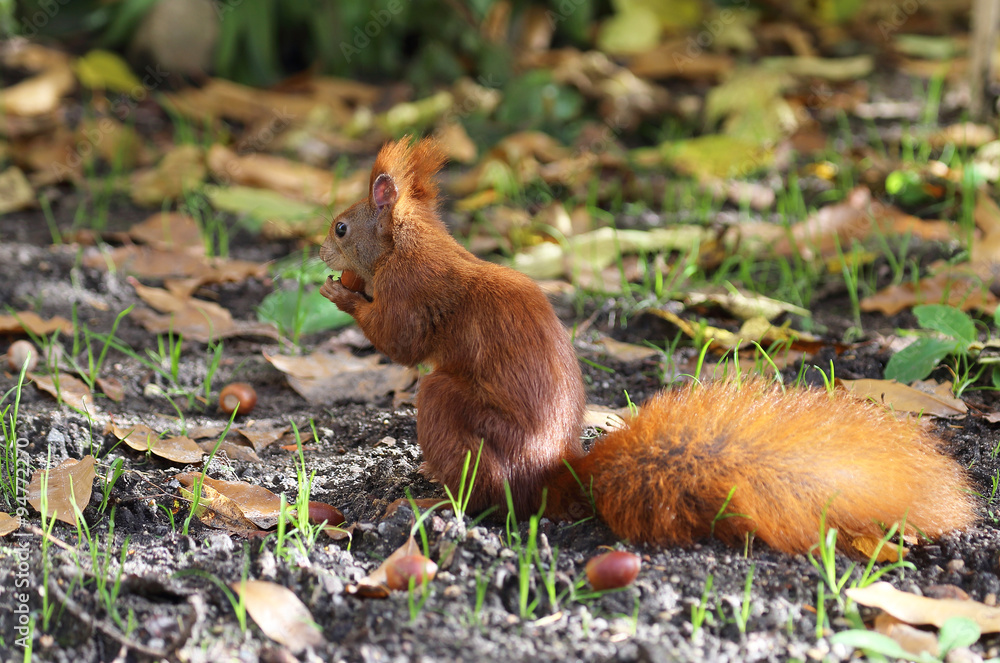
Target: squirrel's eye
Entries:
(340, 229)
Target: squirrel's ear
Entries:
(383, 191)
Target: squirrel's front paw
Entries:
(346, 300)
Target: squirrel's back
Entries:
(786, 457)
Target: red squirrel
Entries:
(506, 378)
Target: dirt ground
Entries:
(365, 457)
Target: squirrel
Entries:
(721, 458)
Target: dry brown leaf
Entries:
(913, 640)
(280, 614)
(73, 391)
(290, 178)
(627, 352)
(258, 504)
(60, 496)
(202, 322)
(958, 286)
(145, 262)
(232, 450)
(32, 322)
(112, 388)
(456, 143)
(39, 94)
(889, 552)
(834, 226)
(220, 98)
(902, 398)
(181, 170)
(985, 251)
(141, 437)
(218, 511)
(744, 305)
(15, 191)
(373, 586)
(8, 523)
(262, 434)
(196, 319)
(914, 609)
(324, 378)
(170, 231)
(674, 60)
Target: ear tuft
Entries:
(384, 191)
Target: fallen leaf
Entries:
(258, 504)
(180, 171)
(913, 640)
(598, 249)
(104, 70)
(324, 378)
(60, 495)
(914, 609)
(112, 388)
(218, 511)
(289, 178)
(72, 391)
(232, 450)
(170, 231)
(16, 192)
(627, 352)
(279, 614)
(32, 322)
(888, 552)
(141, 437)
(744, 305)
(9, 523)
(39, 94)
(958, 286)
(902, 398)
(263, 434)
(202, 322)
(270, 212)
(373, 586)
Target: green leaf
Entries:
(948, 320)
(917, 360)
(870, 641)
(312, 313)
(957, 632)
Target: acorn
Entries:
(352, 281)
(237, 395)
(399, 571)
(613, 570)
(20, 352)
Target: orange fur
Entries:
(789, 455)
(506, 376)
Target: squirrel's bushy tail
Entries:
(786, 456)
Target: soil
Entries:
(365, 457)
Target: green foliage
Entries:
(301, 309)
(954, 334)
(955, 632)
